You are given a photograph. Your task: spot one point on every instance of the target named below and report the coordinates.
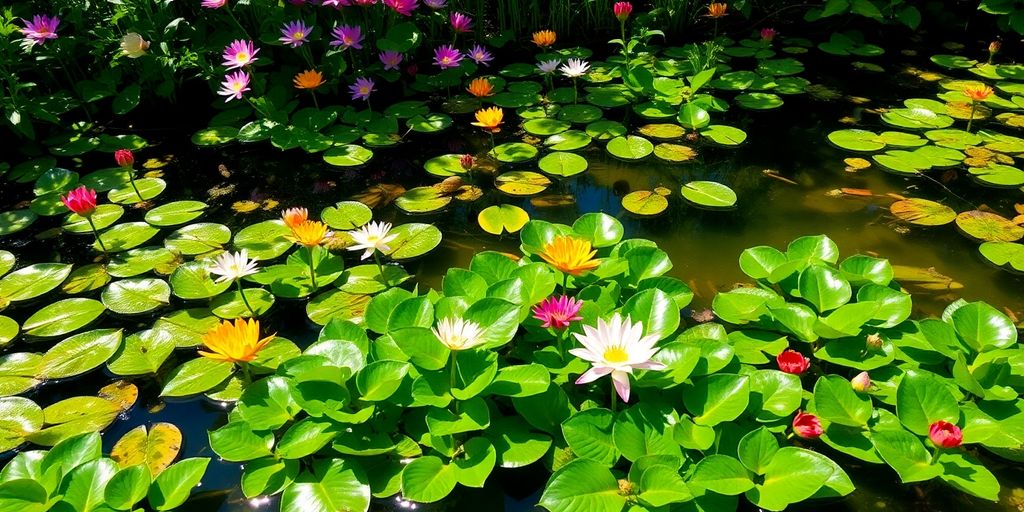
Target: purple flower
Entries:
(435, 4)
(294, 34)
(41, 28)
(348, 36)
(403, 7)
(234, 85)
(460, 22)
(447, 56)
(240, 54)
(391, 59)
(361, 89)
(479, 54)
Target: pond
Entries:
(793, 138)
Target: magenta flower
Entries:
(435, 4)
(479, 54)
(214, 4)
(234, 85)
(447, 56)
(558, 312)
(391, 59)
(365, 3)
(41, 28)
(348, 36)
(294, 34)
(240, 54)
(337, 4)
(403, 7)
(361, 89)
(460, 22)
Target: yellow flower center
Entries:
(242, 56)
(615, 355)
(298, 35)
(364, 90)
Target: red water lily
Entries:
(807, 426)
(791, 361)
(945, 434)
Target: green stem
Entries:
(246, 374)
(565, 283)
(312, 269)
(454, 371)
(96, 233)
(380, 268)
(615, 397)
(575, 91)
(560, 339)
(315, 104)
(131, 178)
(935, 453)
(235, 19)
(974, 106)
(245, 300)
(625, 47)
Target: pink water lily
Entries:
(213, 4)
(348, 36)
(40, 28)
(460, 22)
(435, 4)
(558, 312)
(616, 348)
(234, 85)
(391, 60)
(403, 7)
(294, 34)
(447, 57)
(240, 53)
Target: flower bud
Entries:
(133, 45)
(945, 434)
(994, 47)
(793, 362)
(124, 157)
(874, 342)
(807, 426)
(467, 161)
(767, 34)
(861, 383)
(622, 10)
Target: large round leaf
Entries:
(336, 484)
(988, 227)
(583, 485)
(347, 155)
(630, 147)
(709, 194)
(125, 236)
(502, 218)
(135, 296)
(560, 163)
(148, 188)
(522, 183)
(923, 212)
(102, 218)
(17, 220)
(79, 353)
(644, 202)
(176, 213)
(198, 238)
(514, 152)
(32, 281)
(63, 317)
(192, 281)
(423, 200)
(264, 240)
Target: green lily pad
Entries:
(579, 114)
(422, 200)
(709, 194)
(264, 240)
(1001, 254)
(606, 130)
(104, 216)
(923, 212)
(856, 140)
(522, 183)
(514, 152)
(780, 67)
(413, 240)
(17, 220)
(9, 330)
(347, 155)
(141, 260)
(48, 205)
(407, 109)
(502, 218)
(916, 119)
(654, 110)
(79, 354)
(337, 305)
(7, 261)
(569, 140)
(544, 127)
(998, 175)
(175, 213)
(644, 203)
(724, 135)
(230, 305)
(630, 147)
(735, 80)
(674, 153)
(199, 238)
(215, 135)
(346, 215)
(30, 170)
(953, 61)
(902, 162)
(561, 163)
(86, 279)
(55, 180)
(63, 317)
(192, 281)
(32, 281)
(662, 131)
(149, 188)
(445, 165)
(988, 227)
(953, 138)
(759, 101)
(430, 123)
(19, 418)
(136, 296)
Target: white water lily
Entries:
(133, 45)
(575, 68)
(616, 347)
(233, 266)
(458, 334)
(372, 237)
(548, 66)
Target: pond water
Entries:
(786, 176)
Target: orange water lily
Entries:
(480, 87)
(309, 79)
(544, 38)
(235, 343)
(571, 255)
(978, 92)
(717, 9)
(490, 119)
(309, 233)
(294, 216)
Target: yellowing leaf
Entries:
(245, 206)
(156, 448)
(503, 217)
(122, 393)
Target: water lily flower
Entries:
(489, 119)
(234, 85)
(570, 255)
(337, 4)
(294, 216)
(807, 426)
(480, 87)
(467, 161)
(364, 3)
(403, 7)
(873, 342)
(944, 434)
(792, 362)
(994, 47)
(239, 342)
(133, 45)
(373, 236)
(458, 334)
(294, 34)
(435, 4)
(978, 92)
(240, 54)
(233, 266)
(213, 4)
(616, 348)
(861, 383)
(447, 56)
(480, 55)
(348, 36)
(391, 59)
(124, 158)
(768, 34)
(544, 38)
(717, 9)
(40, 28)
(575, 68)
(558, 312)
(309, 79)
(309, 233)
(81, 201)
(548, 66)
(361, 89)
(622, 10)
(460, 22)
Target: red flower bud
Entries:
(81, 201)
(124, 157)
(791, 361)
(945, 434)
(768, 34)
(622, 10)
(994, 47)
(807, 426)
(467, 161)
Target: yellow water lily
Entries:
(571, 255)
(309, 233)
(239, 342)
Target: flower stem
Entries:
(312, 269)
(454, 371)
(246, 374)
(615, 398)
(245, 300)
(380, 268)
(96, 233)
(315, 103)
(974, 106)
(565, 283)
(575, 92)
(560, 339)
(131, 178)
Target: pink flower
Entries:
(41, 28)
(861, 383)
(294, 34)
(945, 434)
(391, 59)
(361, 89)
(791, 361)
(337, 4)
(467, 161)
(234, 85)
(348, 36)
(460, 22)
(480, 55)
(124, 157)
(446, 57)
(214, 4)
(622, 10)
(767, 34)
(240, 54)
(807, 426)
(81, 200)
(435, 4)
(365, 3)
(557, 312)
(403, 7)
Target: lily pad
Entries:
(724, 135)
(175, 213)
(104, 216)
(230, 305)
(79, 354)
(63, 317)
(501, 218)
(7, 261)
(988, 227)
(348, 155)
(644, 203)
(569, 140)
(579, 114)
(674, 153)
(413, 240)
(514, 152)
(86, 279)
(215, 135)
(9, 330)
(199, 238)
(423, 200)
(142, 260)
(954, 61)
(430, 123)
(916, 119)
(923, 212)
(759, 101)
(337, 305)
(630, 147)
(192, 281)
(522, 183)
(544, 127)
(561, 163)
(136, 296)
(709, 194)
(149, 188)
(17, 220)
(606, 130)
(32, 281)
(264, 240)
(1001, 254)
(998, 175)
(346, 215)
(856, 140)
(662, 131)
(445, 165)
